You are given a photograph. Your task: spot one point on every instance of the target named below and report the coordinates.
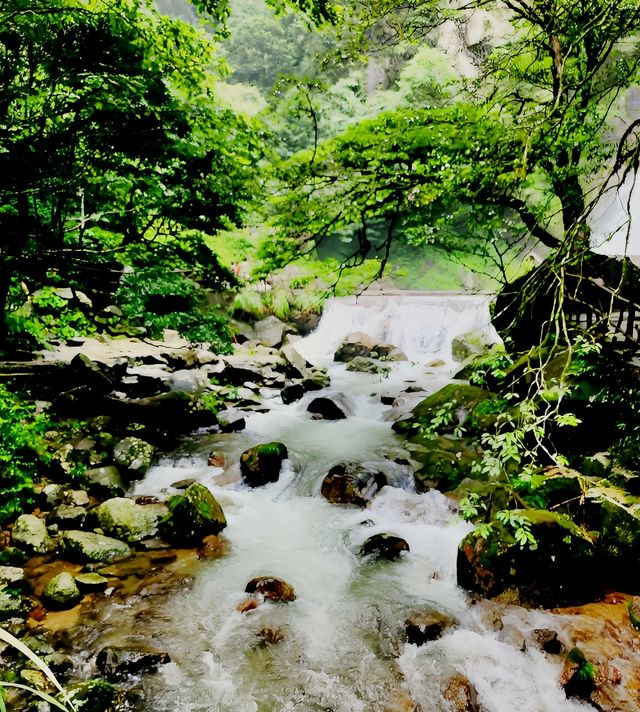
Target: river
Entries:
(339, 646)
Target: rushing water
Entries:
(341, 646)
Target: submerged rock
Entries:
(124, 519)
(271, 588)
(261, 464)
(89, 546)
(386, 546)
(461, 694)
(118, 663)
(362, 364)
(326, 409)
(61, 591)
(352, 483)
(30, 533)
(192, 516)
(426, 625)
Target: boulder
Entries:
(362, 364)
(326, 409)
(269, 331)
(123, 519)
(231, 423)
(271, 588)
(12, 575)
(361, 345)
(547, 640)
(30, 534)
(261, 464)
(11, 603)
(292, 393)
(89, 546)
(426, 625)
(192, 516)
(351, 483)
(117, 663)
(560, 570)
(316, 380)
(134, 454)
(68, 516)
(61, 591)
(445, 461)
(91, 374)
(385, 546)
(296, 363)
(105, 481)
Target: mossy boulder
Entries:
(560, 569)
(362, 364)
(445, 462)
(123, 519)
(30, 534)
(89, 546)
(192, 516)
(352, 483)
(457, 400)
(134, 454)
(97, 696)
(261, 464)
(61, 591)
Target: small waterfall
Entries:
(419, 324)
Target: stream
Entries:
(339, 646)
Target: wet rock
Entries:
(105, 481)
(68, 516)
(362, 364)
(30, 533)
(118, 663)
(36, 680)
(213, 547)
(426, 625)
(134, 454)
(89, 546)
(91, 582)
(61, 591)
(231, 423)
(547, 640)
(192, 516)
(461, 694)
(361, 345)
(183, 484)
(51, 495)
(123, 519)
(271, 588)
(292, 393)
(351, 483)
(261, 464)
(269, 331)
(296, 363)
(326, 409)
(216, 459)
(558, 571)
(578, 676)
(271, 636)
(385, 546)
(239, 375)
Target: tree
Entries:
(521, 151)
(109, 124)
